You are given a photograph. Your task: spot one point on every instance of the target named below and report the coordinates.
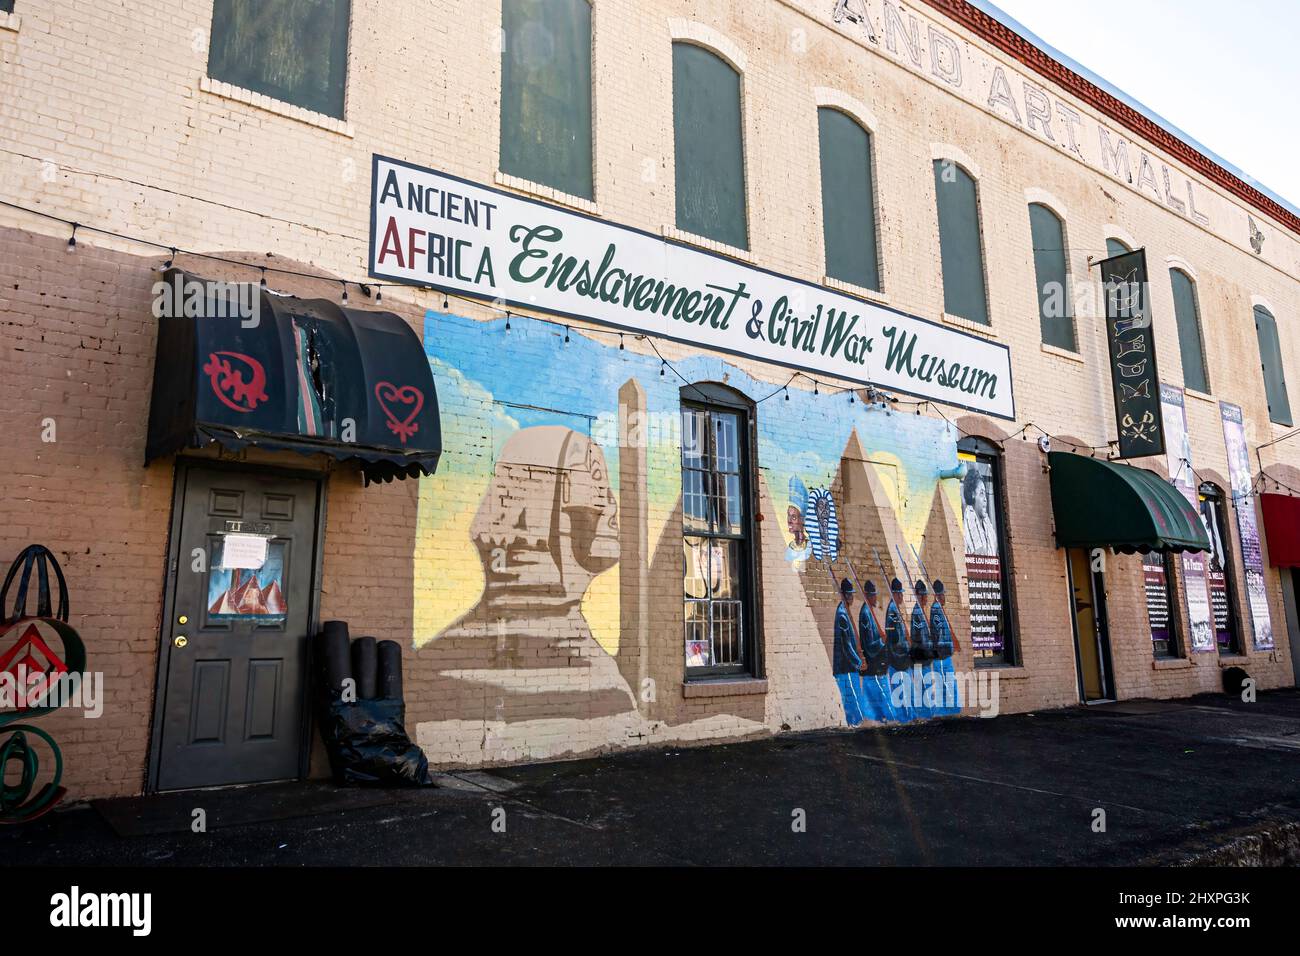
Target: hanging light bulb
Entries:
(787, 393)
(345, 293)
(72, 239)
(379, 293)
(444, 302)
(815, 392)
(620, 341)
(566, 335)
(662, 365)
(170, 259)
(507, 320)
(262, 283)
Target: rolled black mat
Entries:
(390, 670)
(335, 655)
(365, 667)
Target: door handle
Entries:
(180, 640)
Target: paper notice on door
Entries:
(245, 551)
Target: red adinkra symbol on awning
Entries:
(407, 395)
(226, 372)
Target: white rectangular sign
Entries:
(431, 229)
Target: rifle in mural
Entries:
(925, 574)
(934, 581)
(907, 570)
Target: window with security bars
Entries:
(716, 541)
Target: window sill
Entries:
(1193, 393)
(724, 687)
(978, 328)
(1062, 353)
(10, 21)
(1004, 671)
(1170, 663)
(280, 108)
(549, 193)
(1233, 660)
(857, 291)
(712, 245)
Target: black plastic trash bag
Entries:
(365, 733)
(367, 744)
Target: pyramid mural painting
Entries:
(240, 594)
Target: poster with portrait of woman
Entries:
(983, 546)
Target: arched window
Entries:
(1220, 577)
(1115, 248)
(708, 146)
(1270, 357)
(546, 93)
(721, 634)
(1187, 312)
(1055, 316)
(988, 570)
(960, 249)
(848, 200)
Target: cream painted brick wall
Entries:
(103, 120)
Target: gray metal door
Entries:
(241, 581)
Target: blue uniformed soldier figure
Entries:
(875, 654)
(900, 654)
(922, 651)
(845, 662)
(945, 642)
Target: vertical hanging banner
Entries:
(1134, 378)
(1243, 504)
(1179, 457)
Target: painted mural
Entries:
(549, 551)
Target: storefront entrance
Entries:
(239, 604)
(1091, 637)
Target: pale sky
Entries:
(1226, 73)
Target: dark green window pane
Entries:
(546, 93)
(6, 6)
(1270, 356)
(1115, 248)
(1190, 344)
(959, 243)
(295, 51)
(1054, 313)
(848, 205)
(708, 146)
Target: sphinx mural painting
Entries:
(549, 571)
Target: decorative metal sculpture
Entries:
(36, 670)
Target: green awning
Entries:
(1102, 504)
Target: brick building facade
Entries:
(535, 580)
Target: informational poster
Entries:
(1156, 583)
(1243, 503)
(983, 545)
(1178, 453)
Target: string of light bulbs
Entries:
(873, 394)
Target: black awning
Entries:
(241, 366)
(1102, 504)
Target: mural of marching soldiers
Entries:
(898, 670)
(875, 655)
(944, 645)
(845, 662)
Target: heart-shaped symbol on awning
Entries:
(394, 401)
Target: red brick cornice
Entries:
(1013, 44)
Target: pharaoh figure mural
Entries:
(547, 525)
